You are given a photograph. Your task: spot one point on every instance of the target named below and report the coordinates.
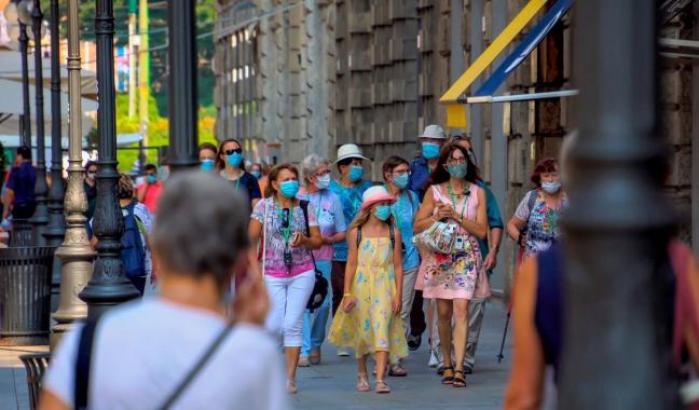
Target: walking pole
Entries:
(500, 356)
(504, 336)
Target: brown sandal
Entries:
(363, 383)
(382, 387)
(459, 381)
(448, 375)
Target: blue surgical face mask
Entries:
(323, 182)
(382, 212)
(430, 150)
(207, 165)
(401, 180)
(551, 187)
(256, 174)
(457, 170)
(235, 159)
(356, 172)
(289, 188)
(152, 179)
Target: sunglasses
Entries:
(234, 151)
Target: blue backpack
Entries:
(133, 256)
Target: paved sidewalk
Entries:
(331, 385)
(13, 382)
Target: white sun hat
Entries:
(349, 151)
(434, 131)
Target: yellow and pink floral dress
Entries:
(371, 325)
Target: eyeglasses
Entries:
(399, 173)
(322, 174)
(234, 151)
(456, 161)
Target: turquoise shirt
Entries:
(351, 200)
(404, 210)
(494, 217)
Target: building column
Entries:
(617, 319)
(475, 110)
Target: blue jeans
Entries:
(314, 324)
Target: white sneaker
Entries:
(433, 362)
(343, 353)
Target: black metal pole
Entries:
(41, 215)
(26, 137)
(182, 54)
(617, 326)
(108, 286)
(55, 231)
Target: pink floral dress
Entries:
(460, 275)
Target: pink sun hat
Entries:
(377, 193)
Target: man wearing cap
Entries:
(431, 141)
(349, 188)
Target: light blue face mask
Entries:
(551, 187)
(207, 165)
(430, 150)
(289, 188)
(457, 170)
(401, 180)
(382, 212)
(152, 179)
(356, 172)
(323, 182)
(256, 174)
(235, 159)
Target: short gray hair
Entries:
(310, 165)
(201, 226)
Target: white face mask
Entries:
(323, 182)
(551, 187)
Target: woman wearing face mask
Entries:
(396, 173)
(455, 278)
(331, 221)
(207, 157)
(535, 222)
(230, 164)
(290, 231)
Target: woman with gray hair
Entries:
(331, 221)
(178, 349)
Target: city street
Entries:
(331, 385)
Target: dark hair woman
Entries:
(230, 163)
(455, 203)
(289, 230)
(535, 222)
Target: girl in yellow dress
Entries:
(368, 320)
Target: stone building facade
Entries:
(302, 76)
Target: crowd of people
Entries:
(389, 260)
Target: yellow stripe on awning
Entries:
(491, 53)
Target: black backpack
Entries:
(320, 288)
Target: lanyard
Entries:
(452, 196)
(237, 180)
(286, 232)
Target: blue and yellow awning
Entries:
(454, 97)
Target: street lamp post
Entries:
(108, 285)
(26, 137)
(182, 54)
(617, 322)
(40, 218)
(75, 253)
(55, 230)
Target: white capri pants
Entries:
(288, 297)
